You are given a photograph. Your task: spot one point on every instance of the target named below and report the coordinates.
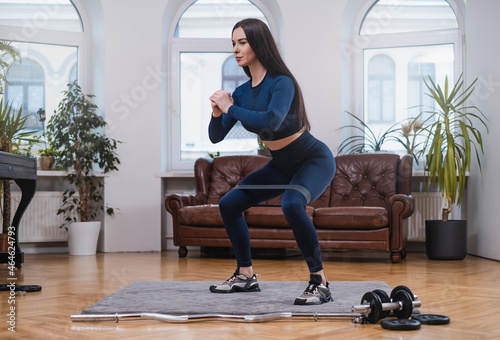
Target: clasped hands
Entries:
(221, 101)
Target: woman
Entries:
(271, 105)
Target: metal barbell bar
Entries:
(170, 318)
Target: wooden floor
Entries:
(468, 291)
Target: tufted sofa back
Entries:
(369, 179)
(360, 179)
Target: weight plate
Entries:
(405, 299)
(375, 303)
(400, 324)
(384, 297)
(401, 287)
(431, 319)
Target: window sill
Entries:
(174, 175)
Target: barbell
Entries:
(374, 306)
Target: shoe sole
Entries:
(303, 302)
(236, 289)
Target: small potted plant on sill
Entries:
(451, 144)
(47, 155)
(74, 130)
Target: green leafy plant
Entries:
(366, 140)
(6, 49)
(214, 155)
(452, 140)
(47, 150)
(12, 135)
(74, 130)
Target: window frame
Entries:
(56, 37)
(174, 46)
(398, 40)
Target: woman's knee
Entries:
(293, 205)
(231, 204)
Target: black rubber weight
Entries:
(384, 297)
(375, 303)
(405, 299)
(400, 324)
(401, 287)
(21, 288)
(431, 319)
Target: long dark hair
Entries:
(262, 43)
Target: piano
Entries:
(22, 170)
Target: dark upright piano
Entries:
(22, 170)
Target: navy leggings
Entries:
(307, 162)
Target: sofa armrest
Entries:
(202, 177)
(403, 205)
(400, 207)
(173, 204)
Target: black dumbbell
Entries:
(373, 309)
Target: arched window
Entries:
(50, 37)
(381, 89)
(423, 39)
(202, 62)
(419, 69)
(26, 89)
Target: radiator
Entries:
(40, 222)
(428, 206)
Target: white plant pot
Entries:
(82, 237)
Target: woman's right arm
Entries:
(219, 127)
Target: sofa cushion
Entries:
(351, 218)
(201, 215)
(270, 216)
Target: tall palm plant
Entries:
(452, 140)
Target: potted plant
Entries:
(74, 133)
(451, 144)
(366, 141)
(47, 155)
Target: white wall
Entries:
(482, 51)
(312, 39)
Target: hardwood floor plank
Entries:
(468, 291)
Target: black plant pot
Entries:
(446, 240)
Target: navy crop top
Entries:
(265, 109)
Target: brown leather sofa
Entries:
(363, 207)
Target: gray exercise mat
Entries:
(194, 297)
